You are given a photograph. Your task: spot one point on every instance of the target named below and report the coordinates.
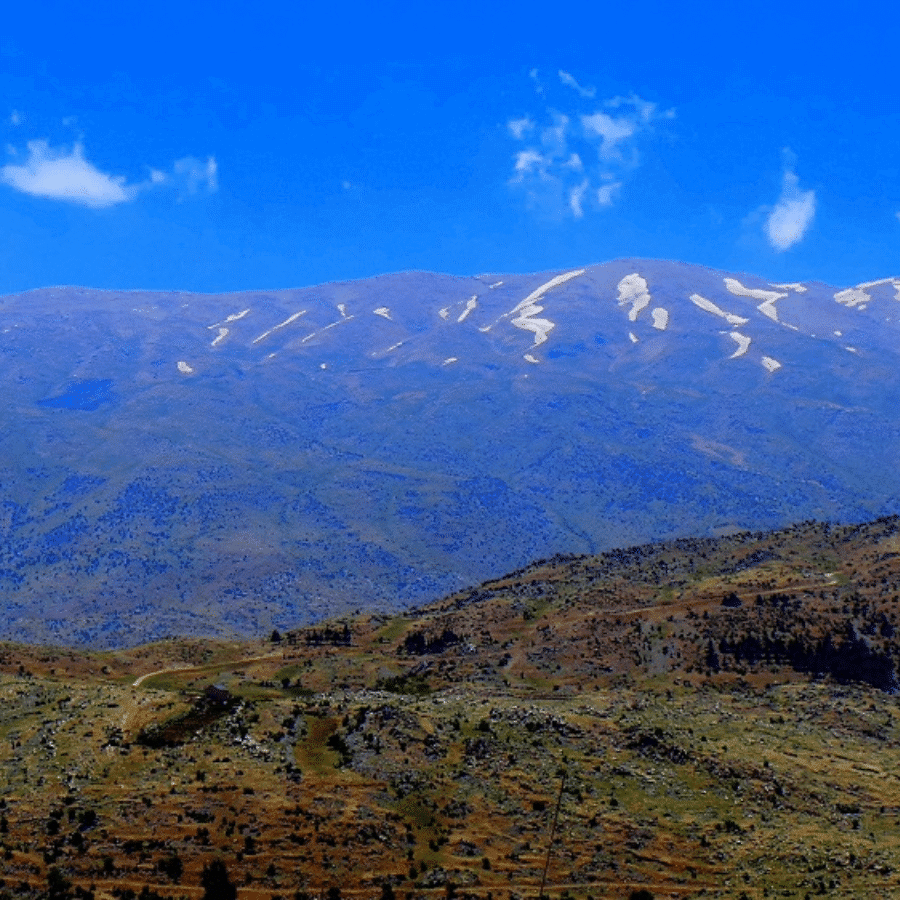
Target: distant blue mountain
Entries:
(194, 464)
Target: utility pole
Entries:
(562, 786)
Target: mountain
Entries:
(221, 465)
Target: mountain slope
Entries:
(430, 753)
(192, 464)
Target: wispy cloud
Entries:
(575, 151)
(569, 80)
(67, 175)
(576, 199)
(197, 173)
(792, 215)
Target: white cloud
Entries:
(578, 150)
(518, 128)
(60, 175)
(606, 192)
(569, 81)
(529, 161)
(897, 214)
(610, 131)
(792, 214)
(15, 117)
(68, 175)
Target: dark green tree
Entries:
(58, 886)
(216, 883)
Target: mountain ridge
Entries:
(196, 464)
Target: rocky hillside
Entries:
(710, 717)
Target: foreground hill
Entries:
(221, 465)
(713, 717)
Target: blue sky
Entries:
(215, 146)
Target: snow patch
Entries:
(451, 359)
(660, 318)
(287, 321)
(633, 337)
(851, 349)
(342, 309)
(232, 318)
(223, 332)
(470, 305)
(771, 365)
(736, 288)
(552, 283)
(528, 308)
(767, 307)
(797, 286)
(839, 334)
(530, 358)
(870, 284)
(328, 327)
(384, 312)
(710, 307)
(184, 368)
(852, 297)
(743, 343)
(528, 322)
(633, 290)
(445, 312)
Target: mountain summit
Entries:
(223, 464)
